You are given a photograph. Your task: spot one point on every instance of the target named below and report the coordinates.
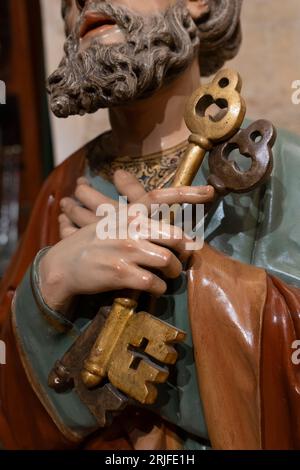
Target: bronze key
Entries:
(255, 143)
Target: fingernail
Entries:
(206, 189)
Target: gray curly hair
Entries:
(220, 34)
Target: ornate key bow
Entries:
(131, 350)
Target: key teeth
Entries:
(118, 402)
(145, 393)
(172, 356)
(152, 391)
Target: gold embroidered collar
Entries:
(153, 171)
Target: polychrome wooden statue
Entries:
(80, 355)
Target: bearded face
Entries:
(148, 51)
(157, 48)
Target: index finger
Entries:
(91, 198)
(128, 185)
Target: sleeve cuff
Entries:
(43, 336)
(54, 318)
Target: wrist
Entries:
(52, 284)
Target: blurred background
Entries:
(32, 141)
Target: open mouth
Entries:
(95, 23)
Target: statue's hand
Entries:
(81, 211)
(84, 263)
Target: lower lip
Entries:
(99, 31)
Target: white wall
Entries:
(72, 133)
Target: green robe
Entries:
(260, 228)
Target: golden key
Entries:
(224, 91)
(128, 370)
(129, 340)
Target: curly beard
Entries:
(157, 49)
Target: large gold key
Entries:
(129, 340)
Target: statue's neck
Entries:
(156, 123)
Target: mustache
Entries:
(125, 18)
